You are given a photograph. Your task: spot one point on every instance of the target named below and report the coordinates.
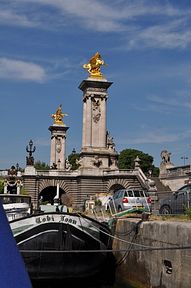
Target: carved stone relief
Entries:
(58, 145)
(97, 161)
(96, 110)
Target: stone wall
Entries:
(175, 183)
(153, 268)
(175, 177)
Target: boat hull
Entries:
(64, 246)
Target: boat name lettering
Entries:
(63, 218)
(66, 219)
(43, 219)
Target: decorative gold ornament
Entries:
(94, 65)
(58, 116)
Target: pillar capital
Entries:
(58, 128)
(95, 85)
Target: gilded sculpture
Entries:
(58, 116)
(94, 65)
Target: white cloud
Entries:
(13, 18)
(96, 15)
(174, 103)
(181, 99)
(110, 9)
(156, 137)
(100, 17)
(143, 23)
(153, 137)
(20, 70)
(172, 34)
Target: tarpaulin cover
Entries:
(13, 273)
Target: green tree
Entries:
(41, 165)
(1, 186)
(72, 159)
(126, 160)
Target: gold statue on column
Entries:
(58, 116)
(94, 65)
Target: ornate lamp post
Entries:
(17, 167)
(30, 149)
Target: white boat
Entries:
(16, 206)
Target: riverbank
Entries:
(153, 253)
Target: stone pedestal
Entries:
(58, 146)
(30, 170)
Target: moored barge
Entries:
(60, 246)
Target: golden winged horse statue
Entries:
(94, 65)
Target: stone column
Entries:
(58, 146)
(95, 153)
(57, 191)
(18, 187)
(94, 113)
(5, 187)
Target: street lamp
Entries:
(17, 166)
(184, 158)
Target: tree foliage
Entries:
(1, 186)
(72, 159)
(126, 160)
(41, 165)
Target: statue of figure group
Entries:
(94, 65)
(109, 141)
(165, 155)
(68, 165)
(58, 116)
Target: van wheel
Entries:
(119, 209)
(165, 210)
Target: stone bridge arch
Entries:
(48, 189)
(44, 183)
(121, 183)
(77, 187)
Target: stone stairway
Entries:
(160, 186)
(162, 192)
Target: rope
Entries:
(140, 247)
(127, 252)
(107, 250)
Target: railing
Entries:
(177, 172)
(57, 173)
(119, 172)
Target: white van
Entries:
(126, 199)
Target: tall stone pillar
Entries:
(94, 113)
(58, 141)
(58, 146)
(98, 150)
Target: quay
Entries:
(153, 253)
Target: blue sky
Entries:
(146, 45)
